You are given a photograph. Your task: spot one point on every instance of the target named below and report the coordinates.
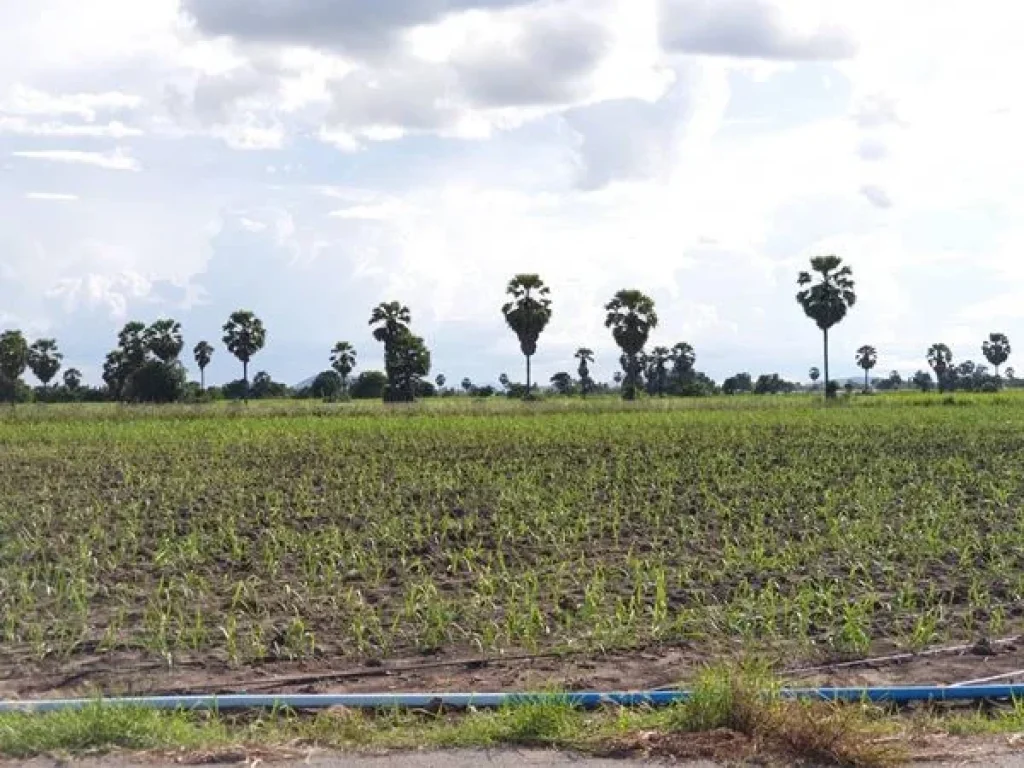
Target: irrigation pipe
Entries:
(586, 700)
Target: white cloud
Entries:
(21, 126)
(118, 160)
(761, 29)
(22, 100)
(877, 196)
(698, 150)
(55, 196)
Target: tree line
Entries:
(145, 366)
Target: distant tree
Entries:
(562, 382)
(410, 362)
(683, 359)
(891, 383)
(467, 385)
(923, 381)
(738, 384)
(244, 336)
(996, 350)
(72, 379)
(13, 359)
(343, 361)
(867, 358)
(392, 324)
(156, 381)
(586, 358)
(527, 315)
(203, 354)
(772, 384)
(45, 360)
(631, 316)
(163, 339)
(827, 301)
(504, 381)
(264, 387)
(940, 359)
(115, 372)
(1011, 375)
(327, 385)
(369, 385)
(658, 362)
(815, 374)
(440, 381)
(617, 377)
(132, 342)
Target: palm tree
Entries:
(867, 357)
(659, 359)
(467, 385)
(392, 320)
(244, 336)
(343, 361)
(44, 359)
(440, 381)
(72, 379)
(527, 315)
(683, 359)
(940, 358)
(815, 374)
(996, 350)
(586, 358)
(163, 339)
(203, 353)
(631, 316)
(827, 301)
(504, 381)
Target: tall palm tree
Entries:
(244, 336)
(631, 316)
(814, 373)
(867, 358)
(343, 361)
(683, 359)
(940, 358)
(203, 354)
(45, 360)
(996, 350)
(527, 315)
(827, 301)
(392, 320)
(586, 358)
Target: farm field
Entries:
(189, 544)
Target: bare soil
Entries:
(657, 667)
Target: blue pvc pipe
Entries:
(587, 700)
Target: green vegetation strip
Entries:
(260, 537)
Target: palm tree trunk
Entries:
(202, 379)
(528, 377)
(865, 379)
(245, 379)
(827, 380)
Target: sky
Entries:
(308, 159)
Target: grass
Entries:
(257, 535)
(724, 701)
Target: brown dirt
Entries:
(127, 674)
